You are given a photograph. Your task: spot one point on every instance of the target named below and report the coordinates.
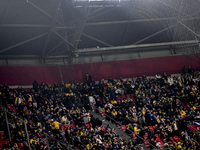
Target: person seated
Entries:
(129, 100)
(70, 93)
(65, 120)
(89, 146)
(114, 113)
(83, 111)
(78, 111)
(129, 129)
(113, 101)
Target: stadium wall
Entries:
(25, 75)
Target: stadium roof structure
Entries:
(66, 29)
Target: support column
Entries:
(7, 126)
(29, 146)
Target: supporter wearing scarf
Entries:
(19, 100)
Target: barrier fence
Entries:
(47, 138)
(126, 129)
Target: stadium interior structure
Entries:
(99, 74)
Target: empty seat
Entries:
(72, 125)
(103, 114)
(123, 127)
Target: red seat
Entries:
(172, 139)
(9, 106)
(2, 138)
(146, 135)
(157, 138)
(63, 127)
(19, 145)
(151, 127)
(134, 136)
(2, 134)
(1, 142)
(176, 138)
(72, 125)
(103, 114)
(99, 98)
(184, 105)
(8, 141)
(123, 96)
(87, 125)
(119, 98)
(123, 127)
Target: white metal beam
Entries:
(137, 46)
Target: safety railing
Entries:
(8, 128)
(26, 130)
(117, 122)
(48, 137)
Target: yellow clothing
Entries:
(78, 110)
(56, 124)
(68, 85)
(194, 108)
(158, 120)
(108, 111)
(114, 102)
(114, 130)
(81, 133)
(20, 133)
(182, 112)
(71, 93)
(30, 98)
(83, 111)
(129, 127)
(89, 146)
(32, 140)
(114, 113)
(118, 83)
(179, 146)
(180, 84)
(109, 84)
(136, 130)
(19, 100)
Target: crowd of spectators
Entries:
(149, 107)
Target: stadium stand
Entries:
(153, 111)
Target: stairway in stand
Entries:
(119, 131)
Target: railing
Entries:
(49, 137)
(129, 130)
(85, 146)
(81, 142)
(25, 125)
(26, 130)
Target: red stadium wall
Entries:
(25, 75)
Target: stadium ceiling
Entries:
(66, 28)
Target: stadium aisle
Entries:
(120, 132)
(105, 122)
